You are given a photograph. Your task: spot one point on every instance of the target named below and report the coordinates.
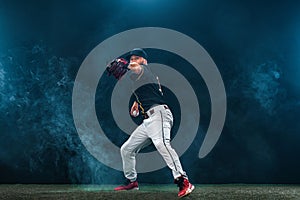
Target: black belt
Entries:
(146, 116)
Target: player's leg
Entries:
(159, 130)
(160, 135)
(129, 149)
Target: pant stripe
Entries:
(163, 135)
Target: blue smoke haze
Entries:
(255, 45)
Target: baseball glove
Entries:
(117, 67)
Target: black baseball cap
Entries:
(137, 52)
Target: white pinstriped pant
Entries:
(156, 128)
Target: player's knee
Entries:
(162, 144)
(159, 144)
(123, 149)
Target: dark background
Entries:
(255, 44)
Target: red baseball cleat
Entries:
(128, 186)
(185, 187)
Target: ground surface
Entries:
(235, 191)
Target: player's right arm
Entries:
(134, 107)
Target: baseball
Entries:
(135, 113)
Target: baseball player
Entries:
(156, 126)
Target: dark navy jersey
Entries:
(148, 92)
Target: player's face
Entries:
(137, 59)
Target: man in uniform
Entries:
(156, 126)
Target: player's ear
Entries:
(145, 62)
